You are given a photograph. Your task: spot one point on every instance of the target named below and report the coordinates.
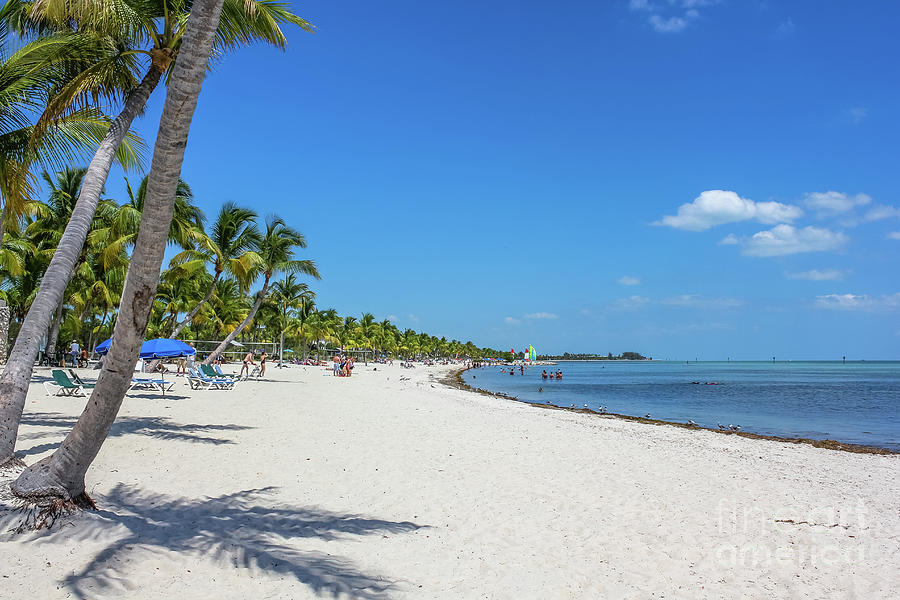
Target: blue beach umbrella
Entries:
(158, 348)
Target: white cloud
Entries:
(541, 315)
(668, 25)
(392, 318)
(729, 240)
(832, 203)
(717, 207)
(512, 320)
(630, 303)
(413, 318)
(785, 28)
(857, 114)
(627, 280)
(818, 275)
(894, 235)
(697, 301)
(786, 239)
(671, 16)
(881, 211)
(860, 302)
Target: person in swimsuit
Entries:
(248, 360)
(262, 363)
(544, 374)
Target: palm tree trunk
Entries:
(230, 337)
(281, 353)
(61, 475)
(3, 218)
(53, 336)
(17, 374)
(190, 317)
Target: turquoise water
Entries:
(856, 402)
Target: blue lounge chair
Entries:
(199, 381)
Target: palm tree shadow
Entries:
(234, 528)
(156, 427)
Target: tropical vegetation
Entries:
(76, 264)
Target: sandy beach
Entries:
(390, 484)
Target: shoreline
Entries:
(455, 380)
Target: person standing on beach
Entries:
(337, 365)
(262, 363)
(73, 350)
(248, 360)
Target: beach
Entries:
(390, 484)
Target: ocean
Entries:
(857, 402)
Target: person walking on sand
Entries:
(74, 351)
(262, 363)
(337, 365)
(248, 360)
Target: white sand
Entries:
(383, 486)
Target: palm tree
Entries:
(276, 255)
(229, 248)
(61, 475)
(124, 221)
(157, 31)
(28, 77)
(289, 295)
(369, 331)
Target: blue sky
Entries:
(681, 178)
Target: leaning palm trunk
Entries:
(190, 317)
(230, 337)
(53, 336)
(17, 374)
(61, 475)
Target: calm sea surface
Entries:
(857, 402)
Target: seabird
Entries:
(734, 427)
(647, 416)
(720, 425)
(691, 423)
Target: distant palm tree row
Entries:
(204, 292)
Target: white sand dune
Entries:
(388, 484)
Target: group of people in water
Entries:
(544, 375)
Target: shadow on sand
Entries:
(156, 427)
(234, 529)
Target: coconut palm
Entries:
(276, 255)
(156, 31)
(289, 296)
(369, 331)
(28, 78)
(61, 475)
(49, 220)
(229, 248)
(124, 221)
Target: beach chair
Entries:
(64, 386)
(199, 381)
(79, 380)
(148, 383)
(214, 372)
